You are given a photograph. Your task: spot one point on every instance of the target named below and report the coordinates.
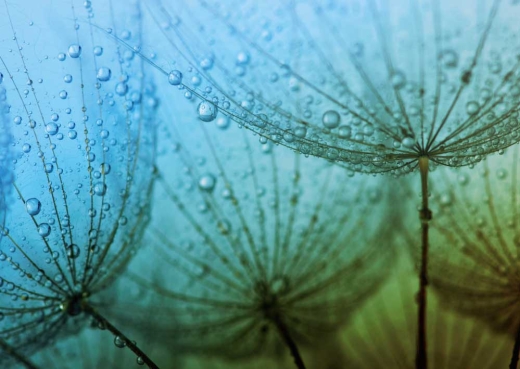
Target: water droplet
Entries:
(44, 229)
(408, 142)
(175, 78)
(33, 206)
(103, 74)
(449, 58)
(344, 131)
(98, 50)
(62, 56)
(472, 107)
(73, 251)
(100, 189)
(223, 122)
(207, 182)
(207, 111)
(119, 342)
(51, 128)
(26, 148)
(331, 119)
(74, 51)
(398, 80)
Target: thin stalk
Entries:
(425, 215)
(103, 322)
(16, 355)
(284, 332)
(516, 351)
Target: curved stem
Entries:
(425, 215)
(284, 332)
(516, 351)
(16, 355)
(116, 332)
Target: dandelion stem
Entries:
(16, 355)
(425, 214)
(284, 332)
(516, 351)
(103, 322)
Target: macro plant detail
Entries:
(380, 87)
(479, 225)
(258, 246)
(83, 145)
(265, 254)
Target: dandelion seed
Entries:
(64, 241)
(253, 250)
(475, 268)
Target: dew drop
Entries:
(449, 58)
(103, 74)
(398, 80)
(331, 119)
(51, 128)
(175, 78)
(100, 189)
(73, 251)
(119, 342)
(74, 51)
(44, 229)
(408, 142)
(33, 206)
(472, 107)
(223, 122)
(98, 50)
(207, 182)
(207, 111)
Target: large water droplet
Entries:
(103, 74)
(74, 51)
(331, 119)
(175, 78)
(33, 206)
(207, 111)
(44, 229)
(207, 182)
(472, 107)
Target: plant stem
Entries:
(116, 332)
(425, 215)
(284, 332)
(16, 355)
(516, 351)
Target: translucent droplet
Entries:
(44, 229)
(33, 206)
(26, 148)
(223, 122)
(98, 50)
(344, 131)
(472, 107)
(242, 58)
(449, 58)
(408, 142)
(73, 251)
(119, 342)
(398, 80)
(207, 111)
(331, 119)
(103, 74)
(51, 128)
(74, 51)
(175, 78)
(207, 182)
(100, 189)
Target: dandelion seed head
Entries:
(247, 234)
(376, 87)
(82, 163)
(475, 265)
